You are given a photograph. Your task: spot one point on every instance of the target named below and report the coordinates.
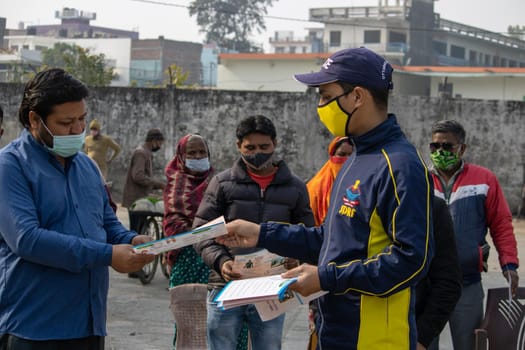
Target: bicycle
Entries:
(151, 225)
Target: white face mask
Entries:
(66, 146)
(200, 165)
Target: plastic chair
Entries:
(503, 326)
(188, 306)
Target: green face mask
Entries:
(444, 160)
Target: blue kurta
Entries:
(56, 234)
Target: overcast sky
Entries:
(171, 19)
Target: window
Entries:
(472, 57)
(457, 51)
(439, 48)
(396, 37)
(305, 49)
(372, 36)
(487, 60)
(513, 63)
(292, 49)
(503, 62)
(279, 50)
(335, 38)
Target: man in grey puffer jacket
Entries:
(258, 189)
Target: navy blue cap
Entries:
(359, 66)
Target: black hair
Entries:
(154, 135)
(1, 115)
(255, 124)
(340, 142)
(380, 96)
(450, 126)
(47, 89)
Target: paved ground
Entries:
(139, 317)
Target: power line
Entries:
(292, 19)
(161, 3)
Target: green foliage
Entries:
(229, 23)
(176, 76)
(78, 61)
(21, 72)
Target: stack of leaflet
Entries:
(269, 294)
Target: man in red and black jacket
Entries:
(476, 203)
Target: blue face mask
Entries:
(199, 165)
(66, 146)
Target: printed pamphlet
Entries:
(210, 230)
(270, 295)
(258, 264)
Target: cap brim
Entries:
(315, 79)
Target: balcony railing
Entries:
(335, 13)
(451, 61)
(478, 33)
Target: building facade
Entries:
(409, 32)
(274, 72)
(76, 24)
(28, 49)
(150, 59)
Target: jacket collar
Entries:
(378, 136)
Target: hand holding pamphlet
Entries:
(210, 230)
(270, 295)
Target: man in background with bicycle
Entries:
(139, 179)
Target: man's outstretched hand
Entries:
(241, 233)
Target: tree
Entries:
(230, 22)
(176, 76)
(78, 61)
(20, 72)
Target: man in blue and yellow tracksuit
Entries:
(376, 241)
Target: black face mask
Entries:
(155, 149)
(257, 161)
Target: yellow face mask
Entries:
(334, 117)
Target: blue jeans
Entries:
(466, 317)
(224, 327)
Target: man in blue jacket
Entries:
(376, 242)
(58, 232)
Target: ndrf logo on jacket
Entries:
(350, 200)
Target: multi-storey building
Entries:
(150, 59)
(285, 42)
(76, 24)
(409, 32)
(143, 62)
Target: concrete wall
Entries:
(495, 129)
